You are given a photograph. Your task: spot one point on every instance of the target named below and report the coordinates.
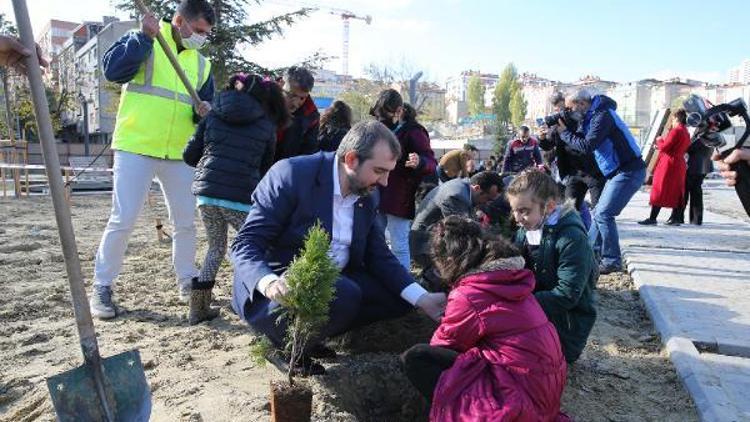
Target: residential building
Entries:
(101, 96)
(51, 40)
(54, 35)
(537, 92)
(329, 84)
(456, 87)
(594, 84)
(634, 101)
(432, 101)
(740, 74)
(81, 76)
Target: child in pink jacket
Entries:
(495, 356)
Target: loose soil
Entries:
(204, 372)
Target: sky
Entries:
(619, 40)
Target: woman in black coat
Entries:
(334, 124)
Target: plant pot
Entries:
(290, 403)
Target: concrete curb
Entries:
(702, 384)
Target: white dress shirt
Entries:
(343, 221)
(341, 239)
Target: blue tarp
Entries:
(323, 102)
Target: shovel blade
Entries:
(74, 394)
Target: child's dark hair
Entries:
(409, 114)
(267, 92)
(338, 115)
(388, 101)
(539, 184)
(459, 245)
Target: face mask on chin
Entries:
(534, 236)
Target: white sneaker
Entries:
(184, 287)
(101, 304)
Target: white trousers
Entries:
(133, 174)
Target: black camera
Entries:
(565, 115)
(710, 120)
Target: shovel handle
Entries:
(52, 166)
(170, 55)
(81, 310)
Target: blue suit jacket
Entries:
(291, 197)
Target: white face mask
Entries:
(534, 237)
(194, 41)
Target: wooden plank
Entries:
(659, 127)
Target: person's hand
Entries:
(276, 290)
(561, 126)
(12, 53)
(203, 108)
(413, 161)
(150, 26)
(433, 304)
(542, 133)
(725, 165)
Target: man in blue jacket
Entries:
(617, 155)
(339, 191)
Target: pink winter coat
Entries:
(510, 367)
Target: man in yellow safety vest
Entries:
(155, 119)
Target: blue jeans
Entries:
(397, 233)
(615, 196)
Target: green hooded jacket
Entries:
(566, 275)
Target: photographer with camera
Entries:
(602, 132)
(578, 171)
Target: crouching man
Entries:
(339, 190)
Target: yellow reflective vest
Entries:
(155, 117)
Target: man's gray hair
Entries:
(301, 77)
(582, 95)
(363, 137)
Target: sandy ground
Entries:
(204, 373)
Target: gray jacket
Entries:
(450, 198)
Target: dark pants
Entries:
(576, 188)
(423, 365)
(360, 300)
(693, 194)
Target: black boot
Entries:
(200, 303)
(651, 220)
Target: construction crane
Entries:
(346, 15)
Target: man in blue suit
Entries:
(337, 189)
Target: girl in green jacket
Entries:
(557, 250)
